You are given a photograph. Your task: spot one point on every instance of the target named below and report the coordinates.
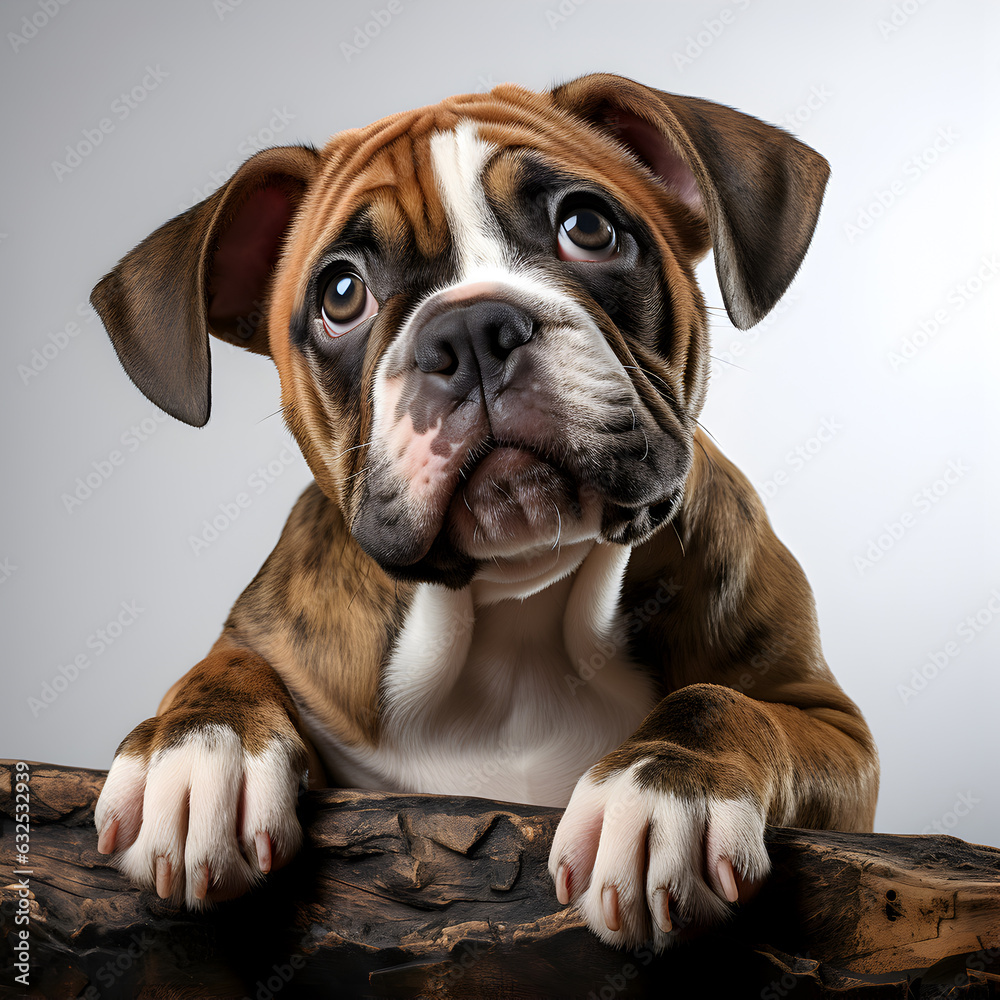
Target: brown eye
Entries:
(346, 302)
(586, 235)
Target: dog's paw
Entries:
(192, 812)
(641, 862)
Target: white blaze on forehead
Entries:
(458, 158)
(488, 261)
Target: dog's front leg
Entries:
(672, 822)
(200, 800)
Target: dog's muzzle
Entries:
(501, 434)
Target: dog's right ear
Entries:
(206, 271)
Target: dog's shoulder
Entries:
(716, 590)
(323, 614)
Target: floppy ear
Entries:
(206, 271)
(759, 187)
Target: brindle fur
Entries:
(749, 705)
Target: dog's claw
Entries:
(263, 844)
(609, 907)
(727, 879)
(661, 910)
(563, 883)
(107, 838)
(200, 887)
(164, 877)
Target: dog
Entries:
(523, 570)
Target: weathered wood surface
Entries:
(431, 896)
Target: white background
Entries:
(885, 80)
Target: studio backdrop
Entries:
(864, 408)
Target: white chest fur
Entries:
(503, 690)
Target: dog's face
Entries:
(484, 313)
(496, 345)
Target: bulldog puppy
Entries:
(522, 571)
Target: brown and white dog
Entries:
(522, 570)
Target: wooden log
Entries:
(434, 896)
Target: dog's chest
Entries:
(512, 700)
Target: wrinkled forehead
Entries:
(395, 169)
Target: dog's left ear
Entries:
(759, 187)
(206, 271)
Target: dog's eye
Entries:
(346, 303)
(586, 235)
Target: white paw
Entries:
(638, 861)
(202, 818)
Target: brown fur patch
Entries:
(740, 617)
(324, 615)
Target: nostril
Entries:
(436, 356)
(514, 332)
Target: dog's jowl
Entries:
(522, 570)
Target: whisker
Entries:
(558, 527)
(680, 541)
(363, 469)
(707, 431)
(497, 486)
(732, 364)
(280, 409)
(360, 586)
(652, 375)
(364, 444)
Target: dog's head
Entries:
(483, 312)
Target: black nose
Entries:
(469, 344)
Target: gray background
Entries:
(872, 84)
